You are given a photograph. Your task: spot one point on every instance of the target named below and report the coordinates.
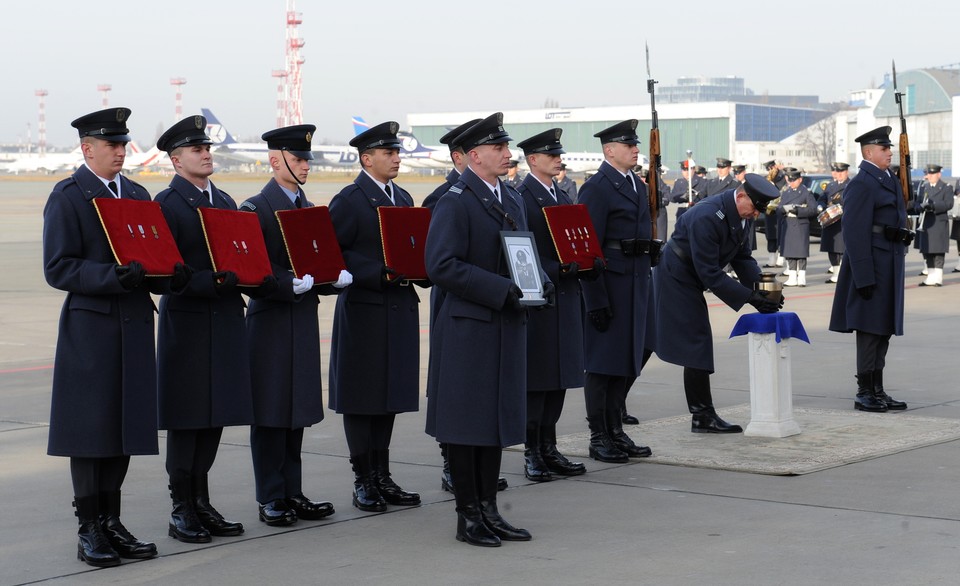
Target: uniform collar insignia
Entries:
(720, 214)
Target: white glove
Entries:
(789, 208)
(301, 286)
(819, 209)
(345, 279)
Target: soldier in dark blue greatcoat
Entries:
(375, 349)
(478, 347)
(104, 404)
(711, 235)
(554, 335)
(284, 336)
(869, 297)
(203, 377)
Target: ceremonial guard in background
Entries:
(284, 336)
(770, 217)
(679, 193)
(706, 239)
(459, 159)
(375, 350)
(797, 206)
(831, 236)
(723, 181)
(554, 335)
(104, 404)
(567, 185)
(203, 376)
(869, 296)
(616, 304)
(478, 348)
(934, 200)
(513, 178)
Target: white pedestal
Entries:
(771, 390)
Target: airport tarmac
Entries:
(893, 519)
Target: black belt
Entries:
(633, 246)
(677, 250)
(894, 234)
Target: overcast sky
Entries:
(382, 60)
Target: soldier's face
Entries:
(299, 169)
(622, 156)
(544, 164)
(383, 164)
(104, 157)
(194, 162)
(723, 171)
(492, 160)
(745, 207)
(879, 155)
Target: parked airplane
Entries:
(46, 163)
(256, 152)
(153, 159)
(413, 154)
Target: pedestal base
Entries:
(771, 390)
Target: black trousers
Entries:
(871, 351)
(934, 261)
(544, 408)
(92, 476)
(475, 471)
(797, 264)
(277, 468)
(192, 451)
(366, 433)
(835, 258)
(602, 392)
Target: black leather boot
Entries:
(627, 419)
(308, 509)
(621, 439)
(696, 387)
(446, 483)
(602, 447)
(471, 528)
(505, 531)
(534, 468)
(390, 490)
(867, 399)
(121, 540)
(556, 462)
(94, 548)
(366, 496)
(706, 420)
(210, 518)
(184, 523)
(488, 467)
(891, 403)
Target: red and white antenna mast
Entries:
(294, 64)
(42, 122)
(281, 76)
(104, 89)
(178, 82)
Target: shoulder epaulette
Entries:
(248, 205)
(456, 189)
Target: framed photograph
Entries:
(520, 252)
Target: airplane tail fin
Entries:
(215, 130)
(410, 144)
(360, 125)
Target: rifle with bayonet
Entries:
(653, 173)
(905, 171)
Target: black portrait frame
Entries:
(530, 280)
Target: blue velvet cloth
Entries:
(786, 324)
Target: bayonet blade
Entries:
(647, 47)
